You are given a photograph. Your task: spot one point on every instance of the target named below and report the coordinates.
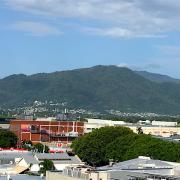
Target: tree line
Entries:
(120, 144)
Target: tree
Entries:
(46, 165)
(27, 145)
(41, 148)
(139, 130)
(7, 139)
(91, 148)
(120, 144)
(117, 149)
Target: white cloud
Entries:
(117, 32)
(35, 28)
(131, 18)
(123, 65)
(141, 67)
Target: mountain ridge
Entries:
(96, 88)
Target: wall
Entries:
(56, 176)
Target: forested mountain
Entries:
(157, 77)
(98, 88)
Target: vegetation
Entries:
(27, 145)
(98, 88)
(41, 148)
(7, 139)
(119, 144)
(91, 147)
(46, 165)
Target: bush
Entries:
(41, 148)
(7, 139)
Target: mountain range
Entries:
(97, 88)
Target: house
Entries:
(18, 162)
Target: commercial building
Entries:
(164, 129)
(92, 124)
(46, 131)
(141, 168)
(52, 131)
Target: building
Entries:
(164, 129)
(141, 168)
(92, 124)
(20, 177)
(164, 123)
(5, 122)
(16, 162)
(46, 131)
(78, 172)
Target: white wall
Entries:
(163, 123)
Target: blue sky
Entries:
(54, 35)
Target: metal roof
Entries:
(139, 163)
(55, 156)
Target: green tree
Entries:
(91, 148)
(117, 149)
(41, 148)
(46, 165)
(7, 139)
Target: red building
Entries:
(47, 131)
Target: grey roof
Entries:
(30, 159)
(136, 163)
(21, 177)
(73, 160)
(59, 158)
(10, 156)
(126, 175)
(7, 157)
(55, 156)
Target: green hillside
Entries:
(97, 88)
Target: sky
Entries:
(54, 35)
